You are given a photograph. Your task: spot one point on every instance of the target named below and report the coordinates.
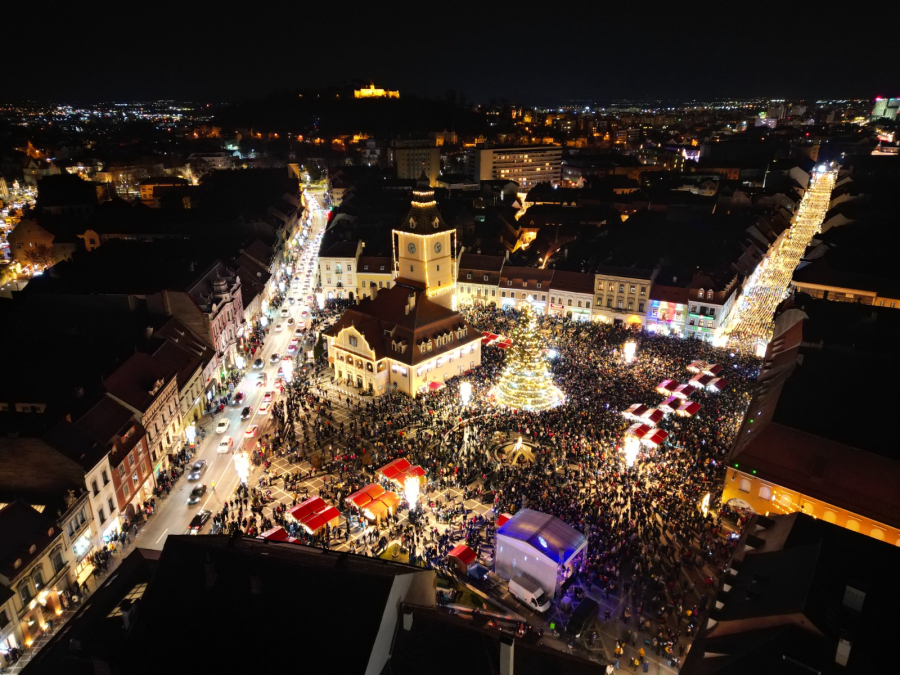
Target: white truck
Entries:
(527, 590)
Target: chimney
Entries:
(507, 649)
(412, 302)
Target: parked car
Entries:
(197, 470)
(526, 589)
(223, 425)
(196, 494)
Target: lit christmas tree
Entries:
(526, 383)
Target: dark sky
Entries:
(523, 52)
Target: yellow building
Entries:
(407, 337)
(373, 272)
(375, 92)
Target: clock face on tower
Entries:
(411, 248)
(437, 247)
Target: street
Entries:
(173, 514)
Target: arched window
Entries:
(745, 485)
(853, 525)
(829, 516)
(765, 492)
(877, 534)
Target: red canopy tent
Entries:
(656, 438)
(666, 387)
(462, 557)
(670, 405)
(639, 430)
(684, 390)
(304, 509)
(688, 409)
(277, 533)
(652, 417)
(713, 369)
(636, 410)
(434, 386)
(506, 344)
(718, 384)
(697, 366)
(701, 380)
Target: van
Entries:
(588, 609)
(526, 590)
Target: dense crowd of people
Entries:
(644, 523)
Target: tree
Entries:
(526, 382)
(40, 256)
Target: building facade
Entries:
(338, 270)
(373, 272)
(478, 280)
(623, 294)
(527, 165)
(412, 158)
(523, 283)
(710, 303)
(572, 295)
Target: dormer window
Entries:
(32, 549)
(485, 277)
(524, 284)
(539, 284)
(469, 275)
(509, 283)
(382, 268)
(700, 294)
(366, 268)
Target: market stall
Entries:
(638, 430)
(701, 380)
(635, 411)
(652, 416)
(655, 438)
(713, 369)
(688, 409)
(684, 391)
(277, 533)
(461, 557)
(666, 387)
(670, 405)
(697, 366)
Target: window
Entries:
(643, 290)
(351, 339)
(711, 313)
(4, 619)
(539, 284)
(38, 579)
(102, 515)
(438, 268)
(509, 282)
(105, 477)
(57, 560)
(621, 288)
(621, 303)
(630, 305)
(765, 492)
(112, 507)
(640, 306)
(25, 593)
(587, 304)
(503, 293)
(131, 459)
(745, 485)
(579, 303)
(543, 298)
(134, 480)
(349, 267)
(121, 470)
(411, 268)
(693, 309)
(700, 294)
(469, 275)
(512, 294)
(94, 488)
(570, 302)
(609, 302)
(632, 290)
(125, 489)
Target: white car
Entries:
(225, 445)
(223, 425)
(278, 327)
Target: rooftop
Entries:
(545, 533)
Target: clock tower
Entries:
(423, 248)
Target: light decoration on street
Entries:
(629, 349)
(242, 466)
(751, 325)
(526, 382)
(631, 449)
(704, 504)
(518, 445)
(287, 370)
(465, 393)
(411, 490)
(190, 433)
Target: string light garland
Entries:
(753, 320)
(526, 382)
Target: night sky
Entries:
(521, 52)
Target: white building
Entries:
(527, 165)
(338, 269)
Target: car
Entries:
(252, 430)
(264, 408)
(245, 413)
(292, 348)
(258, 364)
(275, 358)
(237, 399)
(287, 357)
(268, 396)
(198, 521)
(196, 470)
(262, 380)
(304, 314)
(225, 445)
(291, 301)
(299, 330)
(285, 312)
(278, 328)
(223, 425)
(290, 322)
